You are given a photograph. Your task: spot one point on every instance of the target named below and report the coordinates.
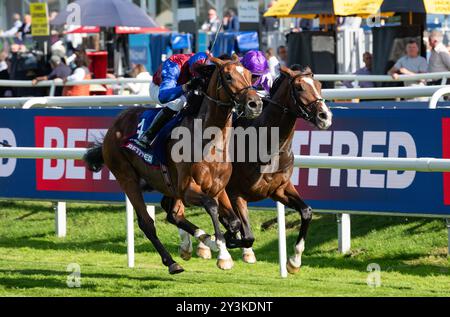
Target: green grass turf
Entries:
(412, 254)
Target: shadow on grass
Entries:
(113, 245)
(37, 278)
(34, 207)
(324, 229)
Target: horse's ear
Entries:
(286, 70)
(235, 58)
(216, 61)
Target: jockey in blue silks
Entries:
(172, 80)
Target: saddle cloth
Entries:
(156, 155)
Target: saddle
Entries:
(156, 154)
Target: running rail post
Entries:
(130, 232)
(344, 233)
(52, 89)
(60, 219)
(282, 239)
(151, 212)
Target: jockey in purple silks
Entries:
(257, 64)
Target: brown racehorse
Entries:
(200, 183)
(295, 94)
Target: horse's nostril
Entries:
(252, 105)
(323, 116)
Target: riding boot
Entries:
(163, 116)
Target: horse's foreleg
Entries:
(240, 206)
(230, 221)
(290, 197)
(186, 229)
(194, 195)
(175, 215)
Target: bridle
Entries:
(222, 83)
(302, 111)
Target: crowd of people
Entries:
(229, 23)
(69, 64)
(412, 63)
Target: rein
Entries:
(234, 102)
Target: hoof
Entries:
(225, 264)
(175, 268)
(185, 254)
(249, 258)
(291, 268)
(204, 253)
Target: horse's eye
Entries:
(228, 77)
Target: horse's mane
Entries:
(277, 83)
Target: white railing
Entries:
(321, 77)
(344, 236)
(108, 101)
(122, 82)
(382, 78)
(305, 161)
(56, 82)
(438, 94)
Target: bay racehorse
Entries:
(295, 94)
(199, 183)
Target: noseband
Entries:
(221, 82)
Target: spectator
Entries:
(4, 73)
(440, 57)
(274, 64)
(25, 29)
(366, 70)
(282, 55)
(59, 71)
(410, 64)
(17, 24)
(302, 24)
(53, 15)
(140, 89)
(213, 22)
(230, 21)
(80, 73)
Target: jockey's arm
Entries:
(168, 90)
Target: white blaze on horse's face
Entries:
(324, 115)
(240, 70)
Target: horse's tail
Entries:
(94, 158)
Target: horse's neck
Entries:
(215, 116)
(212, 114)
(274, 116)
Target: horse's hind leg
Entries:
(290, 197)
(129, 181)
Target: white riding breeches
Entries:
(175, 105)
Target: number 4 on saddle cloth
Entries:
(156, 155)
